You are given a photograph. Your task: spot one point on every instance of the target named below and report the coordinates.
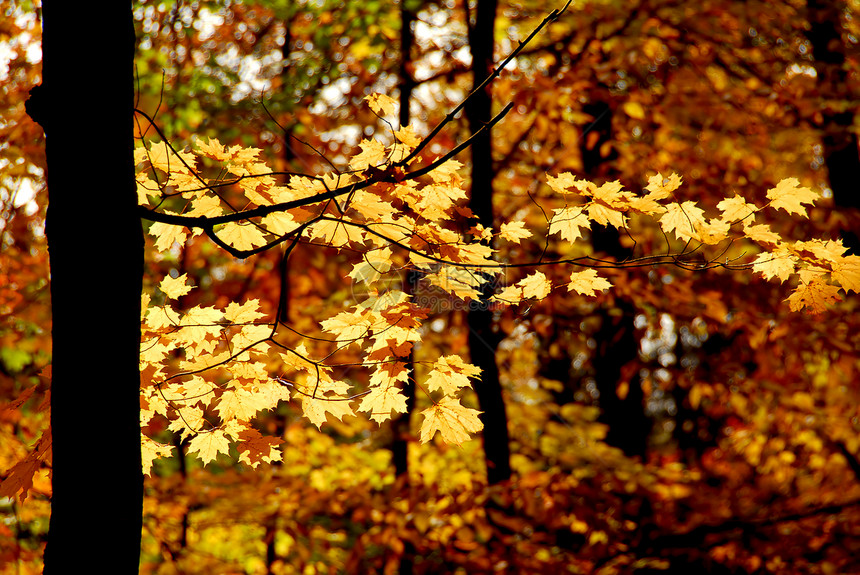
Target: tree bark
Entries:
(483, 340)
(95, 246)
(617, 343)
(400, 425)
(838, 139)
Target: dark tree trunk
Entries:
(95, 245)
(400, 425)
(483, 340)
(617, 343)
(838, 139)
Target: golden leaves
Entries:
(382, 104)
(779, 264)
(846, 271)
(451, 419)
(209, 444)
(514, 231)
(789, 195)
(586, 282)
(175, 287)
(395, 222)
(568, 221)
(242, 236)
(815, 295)
(450, 373)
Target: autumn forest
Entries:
(430, 286)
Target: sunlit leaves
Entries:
(381, 401)
(815, 295)
(150, 450)
(175, 287)
(789, 195)
(372, 154)
(569, 221)
(382, 104)
(242, 236)
(387, 227)
(736, 209)
(684, 220)
(451, 419)
(586, 282)
(317, 407)
(779, 264)
(661, 187)
(209, 444)
(449, 374)
(242, 313)
(514, 231)
(846, 271)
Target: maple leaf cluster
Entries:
(393, 220)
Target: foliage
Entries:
(752, 462)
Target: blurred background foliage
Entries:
(682, 422)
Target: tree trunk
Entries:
(838, 139)
(400, 425)
(617, 343)
(483, 340)
(95, 246)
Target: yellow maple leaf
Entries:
(567, 221)
(336, 234)
(239, 404)
(762, 234)
(279, 223)
(146, 187)
(348, 326)
(174, 288)
(713, 232)
(150, 450)
(481, 233)
(209, 444)
(376, 263)
(162, 157)
(317, 408)
(684, 219)
(509, 295)
(213, 149)
(586, 282)
(435, 200)
(381, 401)
(562, 182)
(189, 422)
(535, 285)
(736, 209)
(243, 313)
(208, 206)
(449, 417)
(789, 195)
(456, 281)
(780, 263)
(406, 135)
(450, 373)
(815, 296)
(382, 104)
(846, 272)
(661, 187)
(514, 231)
(167, 234)
(606, 215)
(250, 334)
(830, 250)
(242, 236)
(372, 154)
